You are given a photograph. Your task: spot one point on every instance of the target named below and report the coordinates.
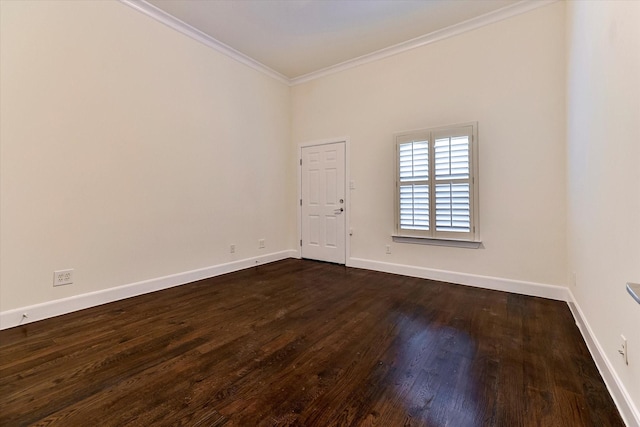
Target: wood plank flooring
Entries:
(303, 343)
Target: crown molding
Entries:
(453, 30)
(450, 31)
(186, 29)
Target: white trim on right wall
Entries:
(617, 390)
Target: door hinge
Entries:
(300, 162)
(300, 242)
(300, 202)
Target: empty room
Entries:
(319, 213)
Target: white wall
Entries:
(510, 77)
(130, 151)
(603, 115)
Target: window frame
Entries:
(433, 236)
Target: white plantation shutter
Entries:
(452, 157)
(414, 188)
(452, 186)
(414, 207)
(452, 208)
(414, 161)
(435, 183)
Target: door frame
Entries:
(347, 192)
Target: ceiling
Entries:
(299, 37)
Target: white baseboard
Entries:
(487, 282)
(11, 318)
(617, 390)
(627, 408)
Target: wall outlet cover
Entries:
(63, 277)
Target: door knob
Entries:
(338, 211)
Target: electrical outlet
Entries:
(624, 349)
(232, 249)
(261, 244)
(388, 249)
(63, 277)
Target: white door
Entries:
(323, 202)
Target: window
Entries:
(436, 184)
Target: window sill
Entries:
(470, 244)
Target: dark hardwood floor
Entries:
(302, 343)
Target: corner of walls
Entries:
(602, 151)
(616, 387)
(614, 383)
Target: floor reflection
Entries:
(431, 372)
